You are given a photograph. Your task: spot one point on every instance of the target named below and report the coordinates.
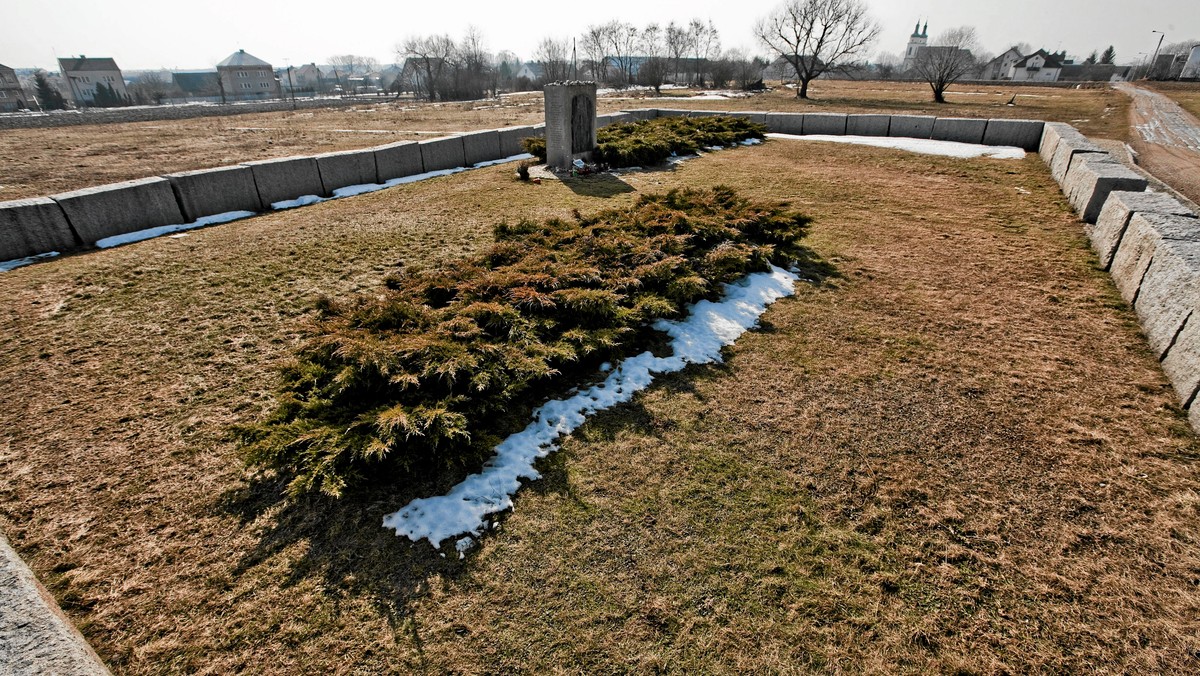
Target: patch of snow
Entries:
(698, 339)
(301, 201)
(150, 233)
(917, 145)
(464, 545)
(5, 266)
(504, 160)
(752, 141)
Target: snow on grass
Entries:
(130, 237)
(917, 145)
(698, 339)
(5, 266)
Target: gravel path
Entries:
(1167, 140)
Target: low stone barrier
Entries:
(34, 226)
(511, 137)
(206, 192)
(911, 126)
(443, 153)
(641, 114)
(868, 125)
(832, 124)
(480, 146)
(1025, 134)
(1132, 260)
(120, 208)
(958, 129)
(397, 160)
(1061, 145)
(1092, 177)
(785, 123)
(347, 167)
(753, 116)
(286, 178)
(1166, 303)
(1106, 234)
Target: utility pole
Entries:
(291, 86)
(574, 62)
(1154, 59)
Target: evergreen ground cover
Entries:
(651, 142)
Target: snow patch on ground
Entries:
(149, 233)
(5, 266)
(917, 145)
(698, 339)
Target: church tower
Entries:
(916, 41)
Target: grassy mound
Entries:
(651, 142)
(431, 373)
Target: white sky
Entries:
(196, 35)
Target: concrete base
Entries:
(868, 125)
(825, 123)
(443, 153)
(120, 208)
(33, 226)
(958, 129)
(481, 146)
(286, 178)
(785, 123)
(1142, 238)
(1091, 180)
(348, 167)
(1024, 134)
(1120, 206)
(911, 126)
(215, 191)
(397, 160)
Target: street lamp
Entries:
(1154, 59)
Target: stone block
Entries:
(613, 118)
(481, 146)
(707, 113)
(1120, 206)
(34, 226)
(1146, 231)
(1024, 134)
(570, 122)
(1091, 180)
(397, 160)
(1169, 295)
(1069, 148)
(120, 208)
(640, 114)
(347, 167)
(833, 124)
(286, 178)
(868, 125)
(785, 123)
(215, 191)
(443, 153)
(1182, 361)
(911, 126)
(510, 139)
(755, 117)
(958, 129)
(672, 112)
(1052, 132)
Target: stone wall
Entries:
(71, 118)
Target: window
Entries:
(242, 73)
(245, 85)
(264, 85)
(3, 94)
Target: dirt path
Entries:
(1167, 140)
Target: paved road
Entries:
(1167, 140)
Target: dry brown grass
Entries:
(959, 456)
(46, 161)
(1186, 94)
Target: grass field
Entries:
(1186, 94)
(955, 455)
(45, 161)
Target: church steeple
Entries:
(925, 30)
(917, 29)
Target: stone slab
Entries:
(34, 226)
(959, 129)
(1091, 179)
(347, 167)
(785, 123)
(35, 636)
(215, 191)
(1052, 132)
(1170, 292)
(912, 126)
(397, 160)
(1105, 235)
(832, 124)
(481, 146)
(120, 208)
(868, 125)
(1145, 233)
(613, 118)
(672, 112)
(286, 178)
(1024, 134)
(443, 153)
(1194, 417)
(640, 114)
(755, 117)
(1182, 361)
(510, 139)
(1070, 147)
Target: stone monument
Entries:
(570, 123)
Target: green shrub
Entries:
(650, 142)
(425, 375)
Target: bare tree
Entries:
(151, 86)
(353, 64)
(887, 65)
(678, 46)
(813, 36)
(552, 56)
(622, 42)
(947, 60)
(705, 42)
(430, 56)
(595, 50)
(653, 72)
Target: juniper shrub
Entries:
(650, 142)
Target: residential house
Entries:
(306, 78)
(83, 75)
(199, 84)
(12, 96)
(244, 77)
(1038, 67)
(1191, 68)
(999, 67)
(1094, 72)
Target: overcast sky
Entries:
(195, 35)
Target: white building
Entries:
(1191, 69)
(83, 75)
(1037, 67)
(999, 67)
(916, 41)
(244, 76)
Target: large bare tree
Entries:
(814, 36)
(947, 60)
(554, 59)
(430, 54)
(678, 45)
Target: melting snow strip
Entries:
(917, 145)
(5, 266)
(698, 339)
(149, 233)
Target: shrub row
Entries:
(650, 142)
(428, 375)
